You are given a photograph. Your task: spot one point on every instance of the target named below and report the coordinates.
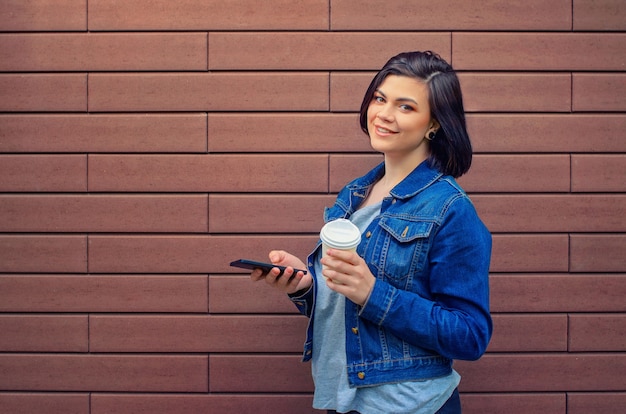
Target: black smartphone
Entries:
(266, 267)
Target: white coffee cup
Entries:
(340, 234)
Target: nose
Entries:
(385, 114)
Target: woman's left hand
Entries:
(347, 273)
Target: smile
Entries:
(382, 130)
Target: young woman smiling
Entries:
(387, 321)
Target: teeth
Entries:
(383, 130)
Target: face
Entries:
(399, 118)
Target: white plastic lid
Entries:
(340, 234)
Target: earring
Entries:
(431, 135)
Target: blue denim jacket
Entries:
(430, 254)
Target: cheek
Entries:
(371, 114)
(417, 124)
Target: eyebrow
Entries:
(399, 99)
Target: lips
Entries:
(383, 131)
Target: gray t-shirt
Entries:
(332, 391)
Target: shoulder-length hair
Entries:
(451, 150)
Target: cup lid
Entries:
(340, 234)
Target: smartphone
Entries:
(266, 267)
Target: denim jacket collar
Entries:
(420, 178)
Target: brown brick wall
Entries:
(145, 144)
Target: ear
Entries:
(434, 126)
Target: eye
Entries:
(406, 108)
(378, 99)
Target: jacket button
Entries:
(368, 234)
(361, 375)
(355, 330)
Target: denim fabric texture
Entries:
(430, 254)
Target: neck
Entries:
(397, 170)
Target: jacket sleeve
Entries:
(303, 301)
(454, 320)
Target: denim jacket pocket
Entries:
(405, 244)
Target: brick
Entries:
(346, 167)
(512, 133)
(482, 92)
(450, 15)
(529, 253)
(528, 51)
(603, 15)
(272, 213)
(207, 15)
(597, 332)
(43, 173)
(508, 92)
(316, 50)
(598, 173)
(598, 92)
(104, 133)
(49, 403)
(105, 213)
(285, 133)
(529, 333)
(185, 254)
(502, 172)
(597, 253)
(347, 90)
(195, 333)
(103, 293)
(513, 403)
(262, 373)
(252, 297)
(303, 91)
(42, 15)
(209, 173)
(201, 403)
(596, 403)
(518, 213)
(128, 373)
(43, 333)
(103, 52)
(41, 92)
(543, 372)
(480, 178)
(557, 293)
(34, 253)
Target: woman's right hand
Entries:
(284, 282)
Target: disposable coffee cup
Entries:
(340, 234)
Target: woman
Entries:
(387, 321)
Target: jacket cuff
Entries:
(378, 303)
(303, 299)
